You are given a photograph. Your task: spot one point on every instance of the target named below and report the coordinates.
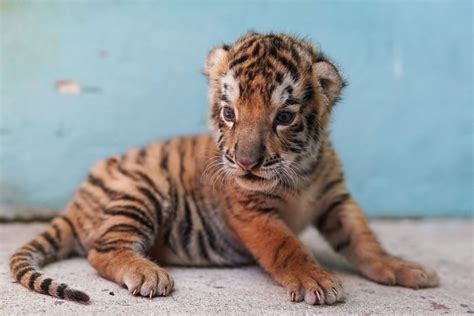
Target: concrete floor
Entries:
(446, 245)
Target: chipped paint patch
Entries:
(70, 87)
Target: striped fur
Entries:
(239, 195)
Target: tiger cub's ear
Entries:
(215, 58)
(329, 78)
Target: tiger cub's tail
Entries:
(57, 242)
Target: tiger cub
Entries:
(234, 197)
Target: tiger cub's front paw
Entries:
(393, 271)
(315, 286)
(147, 279)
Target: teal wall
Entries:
(404, 128)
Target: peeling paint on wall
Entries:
(68, 87)
(71, 87)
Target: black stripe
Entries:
(21, 265)
(264, 195)
(127, 197)
(164, 161)
(105, 249)
(289, 66)
(57, 232)
(137, 176)
(223, 97)
(271, 196)
(114, 195)
(202, 247)
(33, 278)
(17, 260)
(71, 226)
(45, 285)
(181, 161)
(238, 61)
(330, 185)
(279, 248)
(273, 51)
(208, 230)
(308, 93)
(28, 247)
(154, 202)
(296, 145)
(266, 210)
(271, 162)
(169, 240)
(21, 273)
(51, 241)
(23, 254)
(152, 184)
(315, 164)
(215, 242)
(141, 156)
(131, 215)
(125, 228)
(38, 247)
(251, 39)
(173, 194)
(60, 290)
(220, 138)
(311, 122)
(103, 242)
(97, 182)
(295, 55)
(256, 50)
(78, 206)
(136, 209)
(287, 259)
(245, 218)
(126, 172)
(185, 228)
(342, 245)
(73, 231)
(291, 101)
(279, 77)
(89, 197)
(298, 128)
(323, 218)
(277, 41)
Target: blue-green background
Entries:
(404, 129)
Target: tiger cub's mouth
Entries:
(253, 182)
(252, 176)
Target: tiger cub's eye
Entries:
(229, 114)
(285, 118)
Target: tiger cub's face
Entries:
(270, 98)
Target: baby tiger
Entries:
(235, 197)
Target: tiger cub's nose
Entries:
(247, 163)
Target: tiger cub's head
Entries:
(270, 100)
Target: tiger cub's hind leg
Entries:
(118, 253)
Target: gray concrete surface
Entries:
(446, 245)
